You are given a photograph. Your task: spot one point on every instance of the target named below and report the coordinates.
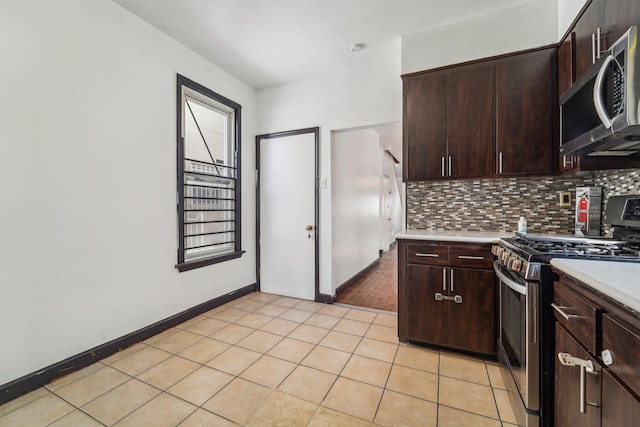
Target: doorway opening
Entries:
(366, 214)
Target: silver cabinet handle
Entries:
(583, 390)
(449, 165)
(567, 161)
(443, 166)
(598, 47)
(451, 283)
(427, 255)
(470, 257)
(560, 309)
(593, 48)
(438, 296)
(500, 164)
(444, 279)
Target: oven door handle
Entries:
(521, 289)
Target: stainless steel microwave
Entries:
(600, 113)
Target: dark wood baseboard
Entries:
(23, 385)
(325, 298)
(340, 289)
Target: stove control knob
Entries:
(517, 265)
(508, 262)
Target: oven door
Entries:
(518, 345)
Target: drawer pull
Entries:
(470, 257)
(428, 255)
(560, 309)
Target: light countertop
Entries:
(453, 236)
(618, 280)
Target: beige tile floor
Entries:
(266, 360)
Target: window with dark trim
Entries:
(208, 176)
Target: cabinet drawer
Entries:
(623, 343)
(577, 315)
(471, 256)
(428, 254)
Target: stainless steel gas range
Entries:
(526, 339)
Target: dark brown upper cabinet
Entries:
(424, 126)
(526, 113)
(470, 131)
(619, 15)
(447, 122)
(586, 33)
(597, 28)
(489, 118)
(566, 64)
(601, 24)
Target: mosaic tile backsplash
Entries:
(497, 204)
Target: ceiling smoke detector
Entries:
(357, 48)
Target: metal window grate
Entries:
(209, 207)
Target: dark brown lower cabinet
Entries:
(593, 327)
(567, 386)
(451, 307)
(471, 322)
(619, 406)
(428, 318)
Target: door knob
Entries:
(309, 228)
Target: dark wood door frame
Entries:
(316, 132)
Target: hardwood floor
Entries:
(378, 288)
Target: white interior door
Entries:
(287, 209)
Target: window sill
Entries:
(208, 261)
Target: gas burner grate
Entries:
(575, 247)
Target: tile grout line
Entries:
(281, 338)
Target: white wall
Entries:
(88, 180)
(524, 26)
(356, 160)
(360, 97)
(567, 12)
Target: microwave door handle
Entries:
(597, 93)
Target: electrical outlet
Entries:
(565, 198)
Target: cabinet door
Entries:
(566, 64)
(471, 322)
(470, 121)
(619, 16)
(592, 18)
(619, 406)
(622, 341)
(424, 126)
(526, 135)
(567, 386)
(428, 318)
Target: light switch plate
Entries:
(565, 198)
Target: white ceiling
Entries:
(267, 43)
